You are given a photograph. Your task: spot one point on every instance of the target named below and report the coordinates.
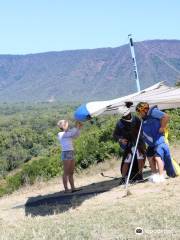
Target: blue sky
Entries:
(32, 26)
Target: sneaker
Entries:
(156, 178)
(161, 178)
(76, 190)
(139, 177)
(152, 177)
(122, 181)
(66, 191)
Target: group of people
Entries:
(148, 126)
(152, 143)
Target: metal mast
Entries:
(134, 62)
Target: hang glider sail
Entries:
(165, 97)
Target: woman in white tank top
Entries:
(65, 138)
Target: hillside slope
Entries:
(109, 215)
(82, 75)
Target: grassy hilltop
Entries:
(30, 170)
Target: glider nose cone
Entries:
(81, 113)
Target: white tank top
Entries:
(66, 138)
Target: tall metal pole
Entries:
(134, 62)
(138, 89)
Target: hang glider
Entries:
(165, 97)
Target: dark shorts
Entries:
(67, 155)
(151, 152)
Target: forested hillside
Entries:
(29, 149)
(28, 142)
(27, 131)
(81, 75)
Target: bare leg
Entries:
(125, 168)
(160, 165)
(141, 165)
(71, 172)
(65, 175)
(152, 164)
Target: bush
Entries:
(14, 182)
(96, 145)
(174, 125)
(3, 191)
(44, 168)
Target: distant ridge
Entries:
(84, 75)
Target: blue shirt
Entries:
(156, 113)
(151, 126)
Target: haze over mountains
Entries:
(85, 75)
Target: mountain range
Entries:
(89, 74)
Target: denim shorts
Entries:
(67, 155)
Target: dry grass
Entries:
(110, 215)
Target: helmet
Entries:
(142, 106)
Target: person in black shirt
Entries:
(126, 132)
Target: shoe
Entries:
(161, 178)
(76, 190)
(139, 177)
(153, 177)
(66, 191)
(156, 178)
(122, 181)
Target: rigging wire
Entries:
(161, 58)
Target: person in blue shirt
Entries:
(158, 153)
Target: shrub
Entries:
(174, 125)
(96, 145)
(45, 168)
(14, 182)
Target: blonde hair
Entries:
(61, 123)
(142, 106)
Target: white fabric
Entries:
(159, 94)
(66, 139)
(129, 156)
(126, 112)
